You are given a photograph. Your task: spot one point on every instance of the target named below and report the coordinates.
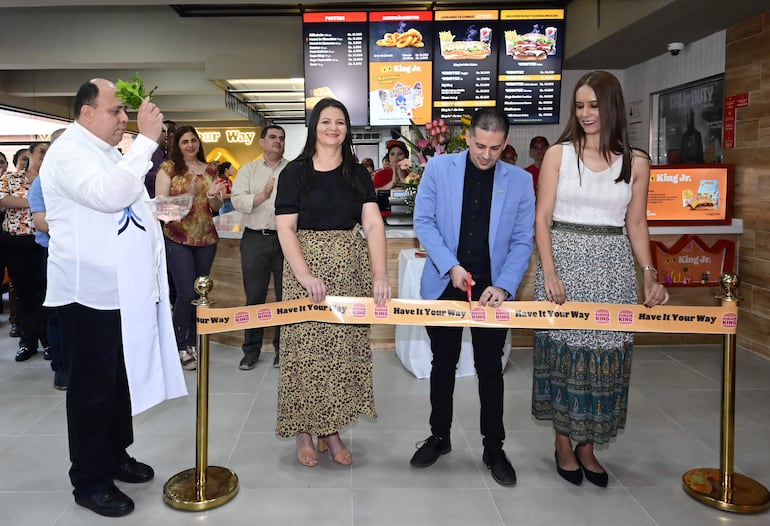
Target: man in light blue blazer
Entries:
(474, 214)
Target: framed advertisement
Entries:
(690, 194)
(687, 123)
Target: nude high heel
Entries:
(343, 456)
(307, 456)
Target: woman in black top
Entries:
(324, 200)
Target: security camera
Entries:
(675, 47)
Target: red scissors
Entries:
(468, 282)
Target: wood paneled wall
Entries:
(747, 70)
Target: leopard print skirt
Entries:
(325, 379)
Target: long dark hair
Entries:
(180, 167)
(349, 160)
(613, 132)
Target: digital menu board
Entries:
(690, 194)
(530, 60)
(400, 67)
(335, 61)
(465, 62)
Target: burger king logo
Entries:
(729, 320)
(602, 316)
(502, 315)
(479, 314)
(381, 311)
(242, 316)
(265, 314)
(358, 310)
(626, 317)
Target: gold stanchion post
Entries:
(722, 488)
(202, 487)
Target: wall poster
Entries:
(689, 123)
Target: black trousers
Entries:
(261, 257)
(445, 344)
(26, 261)
(98, 401)
(186, 264)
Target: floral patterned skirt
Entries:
(581, 377)
(325, 378)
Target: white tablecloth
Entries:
(412, 343)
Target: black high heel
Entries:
(601, 479)
(574, 476)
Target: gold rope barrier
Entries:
(722, 488)
(202, 487)
(206, 487)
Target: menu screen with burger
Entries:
(335, 61)
(465, 62)
(530, 60)
(400, 67)
(690, 194)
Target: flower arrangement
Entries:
(439, 138)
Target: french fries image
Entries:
(409, 38)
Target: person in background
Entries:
(325, 199)
(691, 144)
(20, 163)
(386, 161)
(386, 178)
(592, 184)
(368, 163)
(474, 216)
(509, 155)
(537, 147)
(191, 242)
(261, 256)
(102, 229)
(160, 155)
(25, 258)
(3, 169)
(59, 361)
(225, 171)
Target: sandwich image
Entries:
(462, 50)
(529, 46)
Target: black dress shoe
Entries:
(497, 462)
(133, 471)
(601, 479)
(431, 448)
(276, 361)
(249, 361)
(60, 380)
(110, 502)
(24, 353)
(15, 331)
(574, 476)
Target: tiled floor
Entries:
(673, 426)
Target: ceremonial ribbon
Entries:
(511, 314)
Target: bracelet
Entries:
(650, 268)
(215, 196)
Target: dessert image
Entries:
(318, 94)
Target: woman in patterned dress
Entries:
(25, 258)
(324, 200)
(591, 185)
(191, 243)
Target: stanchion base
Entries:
(746, 495)
(180, 491)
